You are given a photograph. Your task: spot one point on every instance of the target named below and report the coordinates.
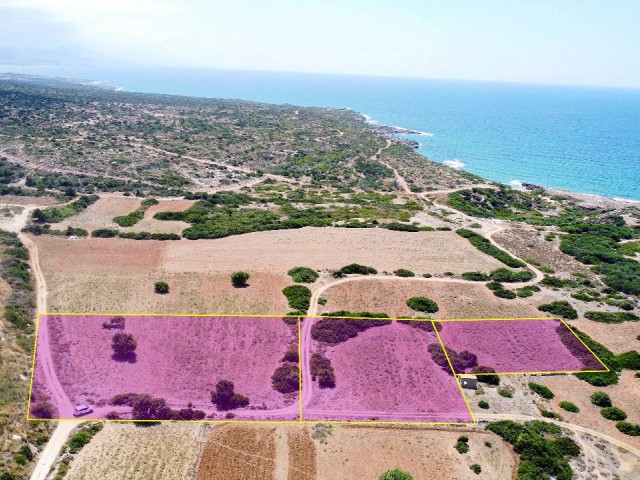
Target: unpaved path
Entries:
(51, 451)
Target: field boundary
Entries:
(300, 419)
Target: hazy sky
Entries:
(591, 42)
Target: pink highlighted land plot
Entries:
(515, 346)
(179, 359)
(383, 371)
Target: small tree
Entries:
(124, 345)
(395, 475)
(601, 399)
(422, 304)
(225, 398)
(239, 279)
(161, 287)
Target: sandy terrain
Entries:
(121, 451)
(358, 452)
(238, 453)
(619, 338)
(22, 200)
(454, 299)
(178, 358)
(386, 373)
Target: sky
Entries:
(581, 42)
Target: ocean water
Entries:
(573, 138)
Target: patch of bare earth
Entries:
(238, 453)
(619, 337)
(456, 300)
(24, 200)
(426, 454)
(302, 454)
(528, 243)
(122, 451)
(150, 224)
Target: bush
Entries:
(628, 428)
(504, 392)
(115, 323)
(403, 272)
(285, 378)
(395, 475)
(422, 304)
(303, 274)
(104, 233)
(225, 398)
(239, 279)
(506, 294)
(509, 276)
(559, 308)
(338, 330)
(123, 345)
(402, 227)
(541, 390)
(613, 413)
(291, 355)
(78, 440)
(487, 376)
(475, 276)
(462, 447)
(298, 296)
(569, 407)
(476, 468)
(161, 288)
(629, 360)
(355, 268)
(612, 317)
(600, 399)
(483, 404)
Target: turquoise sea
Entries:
(574, 138)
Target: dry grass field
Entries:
(238, 453)
(157, 452)
(302, 454)
(427, 454)
(454, 299)
(619, 338)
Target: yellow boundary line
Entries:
(301, 420)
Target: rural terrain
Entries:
(118, 203)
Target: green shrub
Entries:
(629, 360)
(161, 287)
(285, 378)
(569, 407)
(506, 294)
(239, 279)
(612, 317)
(476, 468)
(525, 292)
(402, 227)
(130, 219)
(601, 399)
(483, 404)
(629, 428)
(486, 375)
(559, 308)
(475, 276)
(298, 296)
(541, 390)
(104, 233)
(338, 330)
(403, 272)
(504, 392)
(613, 413)
(509, 276)
(357, 269)
(224, 397)
(462, 447)
(303, 274)
(395, 475)
(422, 304)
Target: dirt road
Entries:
(51, 451)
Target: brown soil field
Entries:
(156, 452)
(455, 300)
(426, 454)
(302, 454)
(189, 293)
(23, 200)
(238, 453)
(624, 395)
(619, 338)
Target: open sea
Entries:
(573, 138)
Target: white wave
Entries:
(457, 164)
(517, 184)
